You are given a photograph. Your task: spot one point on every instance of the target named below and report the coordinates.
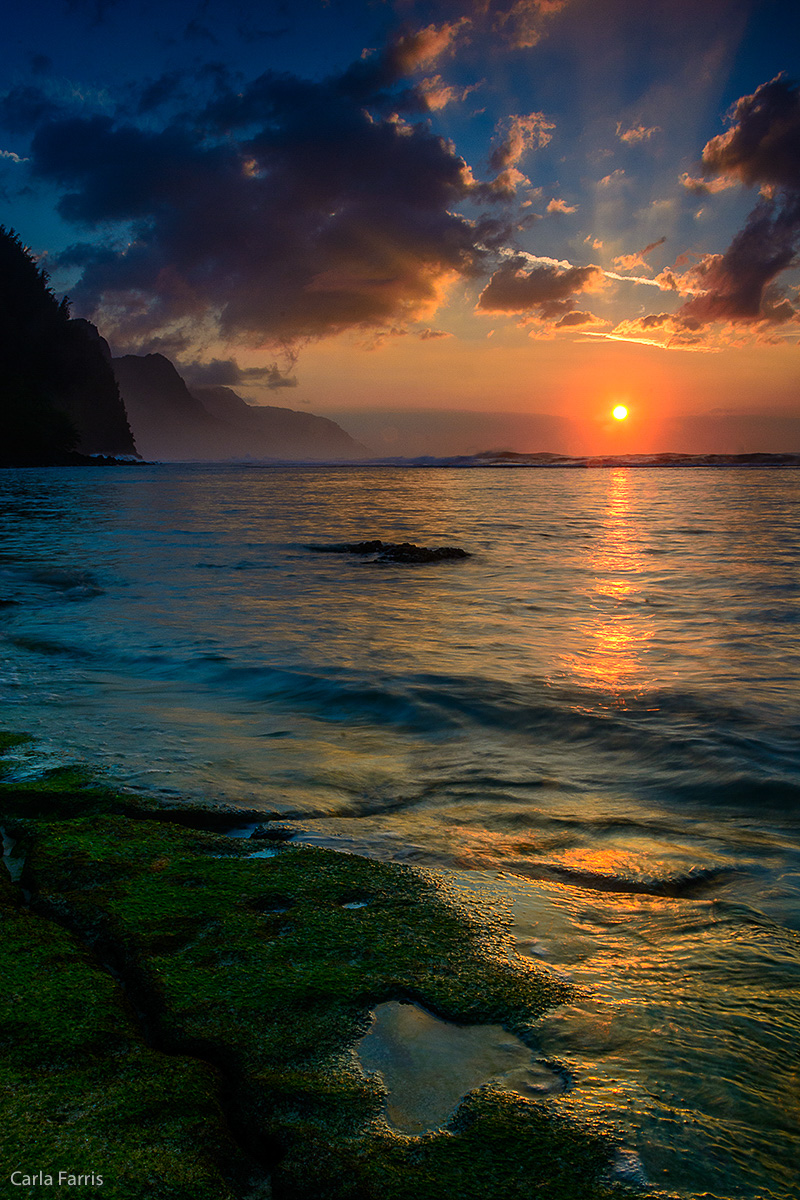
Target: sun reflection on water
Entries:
(610, 659)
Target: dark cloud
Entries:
(196, 31)
(576, 318)
(24, 107)
(95, 10)
(763, 145)
(545, 289)
(251, 33)
(762, 148)
(283, 210)
(161, 91)
(227, 373)
(739, 284)
(41, 64)
(655, 320)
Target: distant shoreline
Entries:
(488, 460)
(77, 460)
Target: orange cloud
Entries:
(613, 178)
(437, 94)
(561, 206)
(412, 51)
(706, 187)
(522, 133)
(524, 22)
(636, 133)
(629, 262)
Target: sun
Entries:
(620, 412)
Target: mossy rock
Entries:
(81, 1092)
(247, 982)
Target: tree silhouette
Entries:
(57, 386)
(33, 325)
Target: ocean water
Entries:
(591, 724)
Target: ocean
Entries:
(591, 724)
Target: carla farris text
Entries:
(60, 1179)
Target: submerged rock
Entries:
(399, 552)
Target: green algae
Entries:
(228, 1053)
(9, 740)
(81, 1092)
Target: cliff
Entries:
(283, 432)
(214, 424)
(168, 422)
(58, 394)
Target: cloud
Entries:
(438, 94)
(561, 206)
(763, 144)
(41, 64)
(629, 262)
(505, 186)
(636, 133)
(706, 187)
(546, 289)
(576, 319)
(520, 23)
(659, 330)
(735, 295)
(408, 52)
(610, 180)
(285, 209)
(739, 284)
(25, 106)
(12, 157)
(521, 134)
(762, 148)
(227, 373)
(524, 22)
(196, 31)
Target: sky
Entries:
(454, 226)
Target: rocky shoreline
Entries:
(181, 1007)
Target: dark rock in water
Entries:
(408, 552)
(273, 833)
(399, 552)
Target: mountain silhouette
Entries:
(214, 424)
